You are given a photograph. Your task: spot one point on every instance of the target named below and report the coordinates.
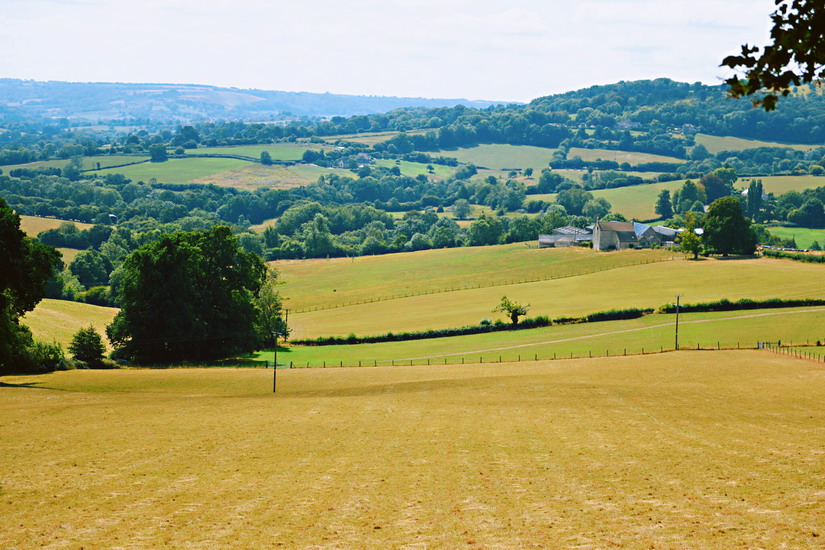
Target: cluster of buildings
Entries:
(612, 236)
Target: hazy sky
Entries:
(502, 50)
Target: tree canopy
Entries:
(188, 296)
(26, 266)
(727, 230)
(796, 55)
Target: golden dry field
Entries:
(647, 285)
(681, 450)
(32, 225)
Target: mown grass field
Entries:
(33, 225)
(254, 176)
(503, 157)
(710, 449)
(371, 138)
(716, 144)
(649, 285)
(802, 235)
(782, 184)
(58, 320)
(318, 283)
(648, 334)
(630, 157)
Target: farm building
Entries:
(621, 235)
(565, 236)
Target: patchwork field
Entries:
(716, 144)
(695, 449)
(632, 158)
(802, 235)
(33, 225)
(371, 138)
(58, 320)
(648, 285)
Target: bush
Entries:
(744, 304)
(87, 347)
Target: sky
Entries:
(513, 50)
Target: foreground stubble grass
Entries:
(683, 450)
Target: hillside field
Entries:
(695, 449)
(646, 285)
(89, 163)
(503, 157)
(176, 170)
(58, 320)
(278, 151)
(33, 225)
(413, 169)
(717, 144)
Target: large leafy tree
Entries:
(188, 296)
(25, 266)
(795, 56)
(727, 230)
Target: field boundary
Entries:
(480, 285)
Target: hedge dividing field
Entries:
(693, 449)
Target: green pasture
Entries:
(325, 282)
(630, 157)
(647, 285)
(635, 202)
(89, 163)
(782, 184)
(503, 157)
(177, 170)
(278, 151)
(648, 334)
(34, 225)
(370, 138)
(688, 450)
(413, 169)
(716, 144)
(802, 235)
(58, 320)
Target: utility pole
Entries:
(275, 365)
(677, 322)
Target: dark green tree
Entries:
(754, 203)
(187, 296)
(87, 346)
(462, 209)
(91, 268)
(157, 153)
(266, 158)
(484, 231)
(727, 231)
(25, 267)
(573, 200)
(663, 205)
(795, 56)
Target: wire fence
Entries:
(814, 352)
(487, 358)
(490, 284)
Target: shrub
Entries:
(87, 346)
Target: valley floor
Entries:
(687, 449)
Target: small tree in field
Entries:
(688, 240)
(87, 346)
(512, 309)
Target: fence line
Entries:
(479, 285)
(555, 356)
(792, 350)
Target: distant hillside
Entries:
(112, 101)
